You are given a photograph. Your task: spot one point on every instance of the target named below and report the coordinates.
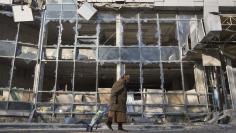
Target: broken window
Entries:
(48, 73)
(86, 54)
(63, 97)
(87, 28)
(150, 54)
(106, 75)
(85, 87)
(197, 33)
(8, 28)
(108, 53)
(52, 30)
(195, 88)
(87, 32)
(69, 11)
(5, 69)
(53, 14)
(68, 33)
(106, 78)
(149, 32)
(53, 11)
(170, 54)
(184, 32)
(66, 53)
(168, 33)
(49, 53)
(134, 88)
(134, 71)
(23, 80)
(85, 77)
(65, 76)
(152, 92)
(188, 71)
(130, 54)
(174, 96)
(130, 34)
(86, 41)
(66, 9)
(7, 48)
(107, 34)
(26, 52)
(151, 76)
(29, 32)
(172, 76)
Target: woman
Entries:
(117, 112)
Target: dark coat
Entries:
(118, 96)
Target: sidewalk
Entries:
(59, 128)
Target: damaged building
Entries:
(61, 58)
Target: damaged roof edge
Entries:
(112, 4)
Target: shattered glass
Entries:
(150, 54)
(200, 31)
(50, 53)
(168, 33)
(130, 54)
(69, 15)
(170, 53)
(184, 31)
(53, 7)
(53, 14)
(26, 52)
(66, 53)
(193, 33)
(86, 54)
(149, 33)
(7, 48)
(108, 53)
(68, 7)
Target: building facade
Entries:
(179, 54)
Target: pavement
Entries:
(37, 128)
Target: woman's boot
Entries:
(109, 123)
(120, 127)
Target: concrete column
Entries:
(211, 19)
(120, 68)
